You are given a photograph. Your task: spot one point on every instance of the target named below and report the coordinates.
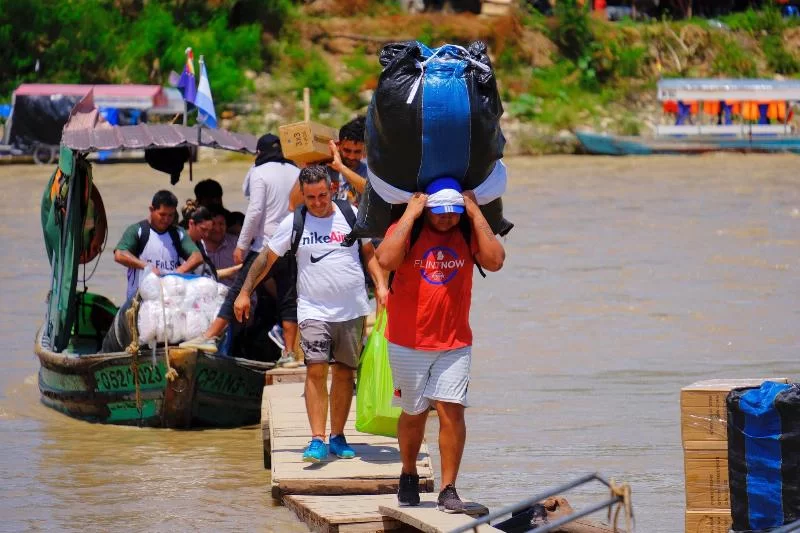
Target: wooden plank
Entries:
(267, 450)
(343, 514)
(708, 521)
(428, 519)
(286, 375)
(375, 469)
(706, 473)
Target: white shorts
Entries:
(422, 376)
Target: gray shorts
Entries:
(421, 376)
(332, 342)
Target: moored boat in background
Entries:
(712, 115)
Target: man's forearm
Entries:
(258, 270)
(191, 263)
(357, 182)
(127, 259)
(392, 249)
(490, 252)
(481, 227)
(376, 272)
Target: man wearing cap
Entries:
(432, 250)
(267, 186)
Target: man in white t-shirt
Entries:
(331, 305)
(267, 186)
(155, 241)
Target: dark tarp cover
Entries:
(764, 456)
(39, 119)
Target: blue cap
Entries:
(440, 184)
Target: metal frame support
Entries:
(614, 499)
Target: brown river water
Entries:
(626, 279)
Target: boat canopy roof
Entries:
(130, 96)
(707, 89)
(85, 131)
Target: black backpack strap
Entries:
(209, 264)
(350, 217)
(297, 228)
(465, 225)
(175, 235)
(144, 236)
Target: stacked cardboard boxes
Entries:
(704, 430)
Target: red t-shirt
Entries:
(428, 306)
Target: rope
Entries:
(623, 492)
(133, 348)
(171, 372)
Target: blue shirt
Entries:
(345, 190)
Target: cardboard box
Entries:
(708, 521)
(704, 415)
(706, 474)
(307, 142)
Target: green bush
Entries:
(114, 41)
(732, 60)
(778, 58)
(312, 71)
(227, 52)
(630, 61)
(573, 35)
(526, 107)
(767, 20)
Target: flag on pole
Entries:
(203, 99)
(186, 83)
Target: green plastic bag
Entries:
(374, 411)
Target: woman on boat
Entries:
(198, 222)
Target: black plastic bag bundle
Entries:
(764, 456)
(450, 126)
(434, 113)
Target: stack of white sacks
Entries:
(183, 311)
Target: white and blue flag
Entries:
(203, 99)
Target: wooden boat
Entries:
(174, 388)
(713, 115)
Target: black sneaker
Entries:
(449, 502)
(408, 492)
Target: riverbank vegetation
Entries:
(556, 73)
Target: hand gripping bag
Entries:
(374, 411)
(435, 113)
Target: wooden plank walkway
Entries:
(375, 470)
(428, 519)
(340, 514)
(343, 495)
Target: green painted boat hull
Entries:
(119, 388)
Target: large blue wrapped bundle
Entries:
(435, 112)
(764, 456)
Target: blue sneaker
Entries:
(316, 451)
(276, 335)
(340, 448)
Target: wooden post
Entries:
(306, 104)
